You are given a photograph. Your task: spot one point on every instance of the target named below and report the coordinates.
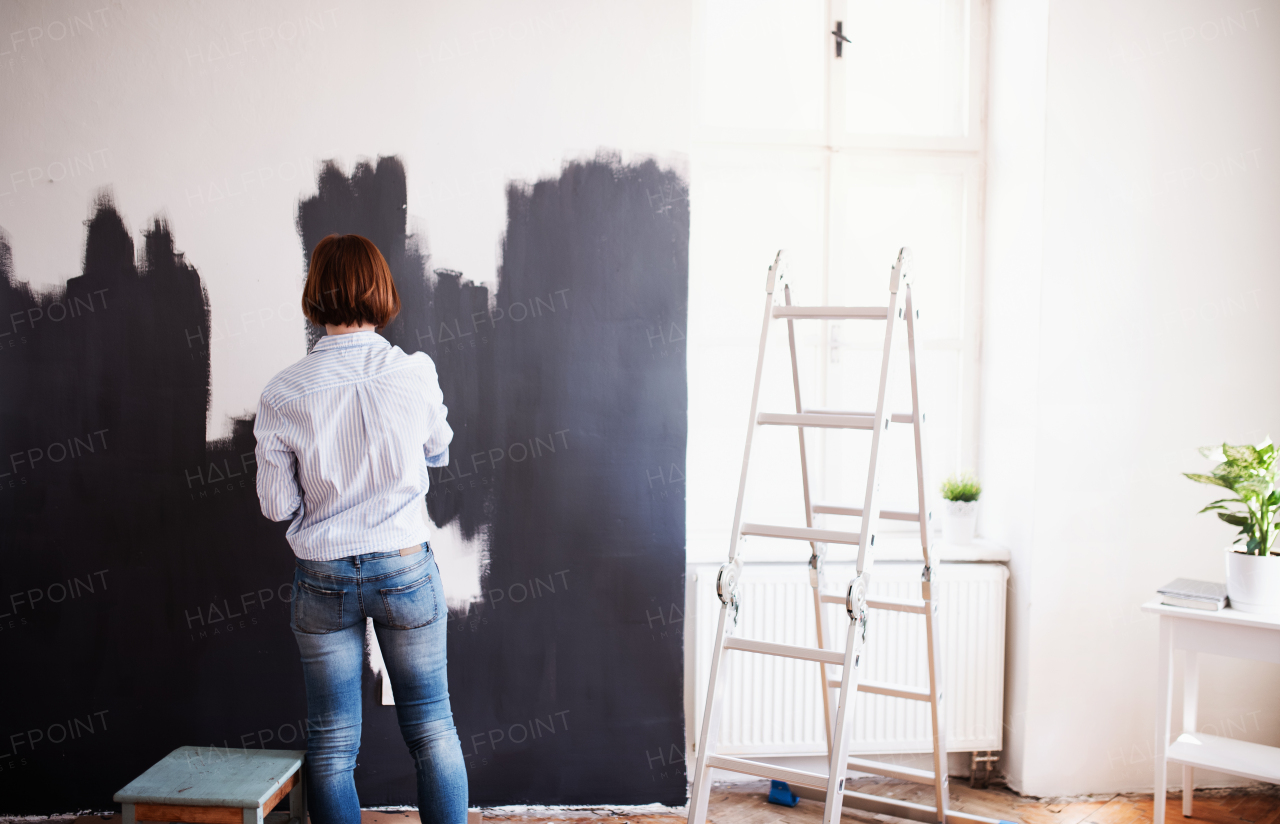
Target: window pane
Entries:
(745, 208)
(763, 64)
(884, 210)
(882, 207)
(906, 69)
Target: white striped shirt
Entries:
(345, 437)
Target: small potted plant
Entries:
(1249, 472)
(961, 493)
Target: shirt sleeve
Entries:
(439, 433)
(278, 490)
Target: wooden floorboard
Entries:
(1252, 808)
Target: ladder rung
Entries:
(918, 607)
(823, 421)
(892, 806)
(891, 770)
(742, 765)
(821, 656)
(802, 533)
(896, 417)
(856, 512)
(891, 690)
(831, 312)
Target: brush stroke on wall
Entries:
(147, 598)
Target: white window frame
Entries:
(964, 154)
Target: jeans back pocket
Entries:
(316, 610)
(412, 605)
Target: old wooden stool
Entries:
(211, 785)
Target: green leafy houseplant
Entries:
(961, 487)
(1249, 472)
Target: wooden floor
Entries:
(745, 804)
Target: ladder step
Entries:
(891, 770)
(802, 533)
(828, 419)
(823, 421)
(896, 417)
(856, 512)
(865, 802)
(831, 312)
(891, 690)
(742, 765)
(908, 810)
(918, 607)
(821, 656)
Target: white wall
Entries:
(1011, 336)
(1131, 276)
(215, 114)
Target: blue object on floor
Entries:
(780, 793)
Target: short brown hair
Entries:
(349, 283)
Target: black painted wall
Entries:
(144, 599)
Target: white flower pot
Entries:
(958, 520)
(1253, 582)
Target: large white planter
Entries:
(958, 521)
(1253, 582)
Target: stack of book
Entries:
(1184, 592)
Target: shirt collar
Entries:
(349, 340)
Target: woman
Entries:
(345, 437)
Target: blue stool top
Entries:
(213, 777)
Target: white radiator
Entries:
(773, 706)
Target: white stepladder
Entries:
(839, 690)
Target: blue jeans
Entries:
(403, 596)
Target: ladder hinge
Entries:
(727, 587)
(727, 580)
(855, 603)
(816, 561)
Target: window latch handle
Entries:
(840, 38)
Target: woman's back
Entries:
(345, 436)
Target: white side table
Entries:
(1226, 632)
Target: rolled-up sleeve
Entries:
(278, 489)
(439, 433)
